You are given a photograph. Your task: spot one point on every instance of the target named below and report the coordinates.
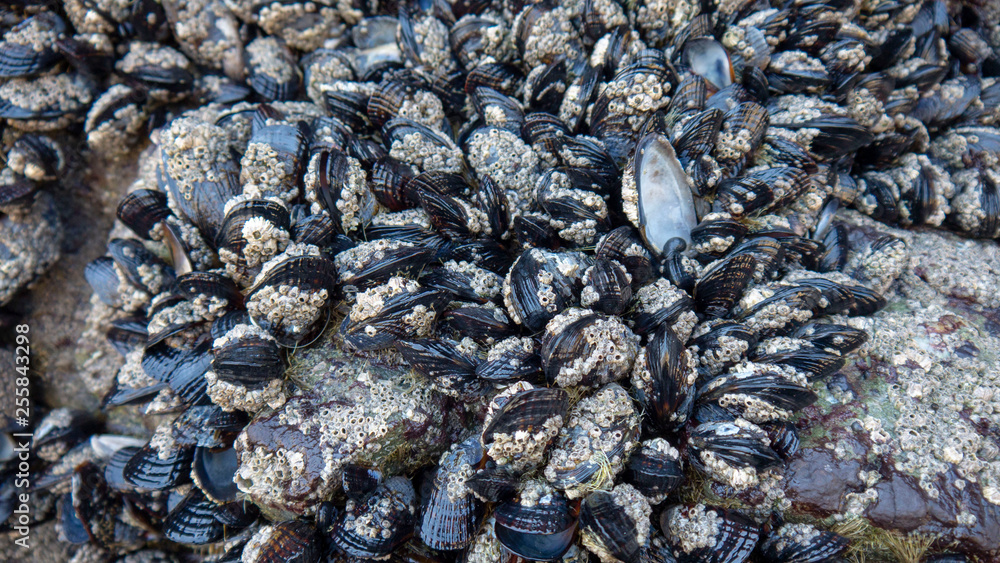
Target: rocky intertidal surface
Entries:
(478, 282)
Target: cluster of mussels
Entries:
(569, 254)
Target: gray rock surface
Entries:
(907, 435)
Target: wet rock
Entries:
(344, 410)
(29, 244)
(907, 436)
(816, 481)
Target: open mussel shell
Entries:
(657, 192)
(541, 531)
(801, 543)
(708, 58)
(213, 471)
(709, 535)
(71, 528)
(375, 527)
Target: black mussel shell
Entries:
(251, 361)
(801, 300)
(194, 520)
(841, 338)
(611, 287)
(712, 340)
(534, 231)
(515, 362)
(667, 396)
(133, 259)
(114, 471)
(735, 535)
(290, 542)
(388, 323)
(192, 285)
(654, 473)
(151, 468)
(98, 508)
(714, 237)
(389, 181)
(764, 394)
(142, 209)
(359, 481)
(494, 484)
(525, 285)
(304, 272)
(379, 267)
(815, 363)
(542, 532)
(183, 369)
(607, 524)
(390, 510)
(784, 437)
(482, 324)
(527, 411)
(450, 522)
(22, 59)
(442, 363)
(722, 286)
(737, 443)
(623, 246)
(801, 543)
